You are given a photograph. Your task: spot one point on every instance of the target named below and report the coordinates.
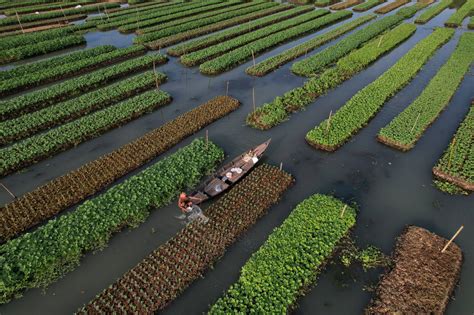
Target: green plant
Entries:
(433, 11)
(455, 20)
(364, 6)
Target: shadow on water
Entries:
(392, 189)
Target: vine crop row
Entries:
(272, 63)
(244, 53)
(67, 70)
(313, 65)
(166, 272)
(74, 87)
(38, 258)
(404, 130)
(210, 40)
(290, 260)
(365, 104)
(272, 114)
(207, 53)
(63, 192)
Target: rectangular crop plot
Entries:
(423, 278)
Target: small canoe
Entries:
(229, 174)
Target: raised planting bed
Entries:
(153, 36)
(32, 26)
(430, 13)
(68, 70)
(41, 8)
(456, 165)
(325, 3)
(364, 105)
(140, 19)
(48, 64)
(76, 86)
(391, 6)
(290, 260)
(213, 51)
(16, 41)
(123, 12)
(41, 257)
(50, 143)
(471, 24)
(369, 4)
(404, 130)
(152, 25)
(159, 278)
(210, 40)
(246, 52)
(318, 62)
(268, 65)
(32, 123)
(455, 20)
(63, 192)
(423, 278)
(213, 27)
(274, 113)
(40, 48)
(345, 5)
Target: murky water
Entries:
(393, 189)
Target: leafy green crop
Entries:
(364, 6)
(270, 64)
(244, 53)
(455, 20)
(29, 124)
(41, 7)
(38, 258)
(207, 53)
(405, 129)
(41, 146)
(271, 114)
(74, 87)
(433, 11)
(316, 63)
(66, 70)
(213, 39)
(364, 105)
(391, 6)
(290, 259)
(32, 38)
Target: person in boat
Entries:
(185, 203)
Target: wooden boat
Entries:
(229, 174)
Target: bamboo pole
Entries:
(451, 152)
(253, 98)
(19, 22)
(253, 58)
(156, 77)
(343, 210)
(416, 120)
(452, 238)
(329, 122)
(380, 41)
(8, 191)
(281, 166)
(227, 89)
(207, 139)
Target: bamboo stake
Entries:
(8, 191)
(64, 14)
(451, 152)
(281, 166)
(253, 98)
(343, 210)
(380, 41)
(227, 89)
(416, 120)
(452, 238)
(19, 22)
(106, 13)
(329, 121)
(253, 57)
(156, 77)
(207, 139)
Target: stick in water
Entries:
(8, 191)
(343, 210)
(452, 238)
(253, 97)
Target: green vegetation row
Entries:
(74, 87)
(39, 258)
(324, 3)
(29, 124)
(40, 7)
(59, 194)
(197, 24)
(197, 44)
(404, 130)
(45, 65)
(124, 12)
(244, 53)
(471, 24)
(316, 63)
(455, 20)
(10, 30)
(138, 20)
(178, 21)
(207, 53)
(44, 145)
(356, 113)
(369, 4)
(433, 11)
(154, 24)
(274, 113)
(290, 260)
(456, 166)
(40, 48)
(33, 38)
(272, 63)
(19, 4)
(57, 14)
(391, 6)
(69, 69)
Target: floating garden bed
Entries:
(455, 20)
(433, 11)
(391, 6)
(369, 4)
